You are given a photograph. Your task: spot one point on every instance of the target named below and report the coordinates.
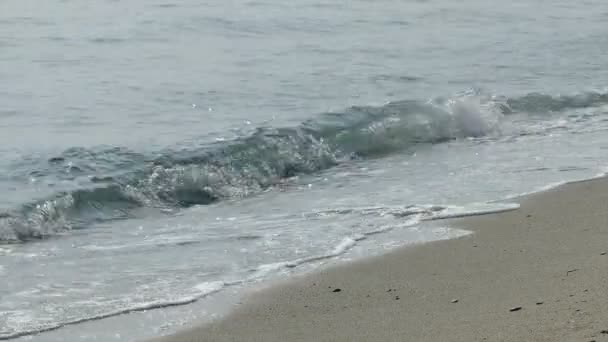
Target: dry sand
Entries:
(545, 261)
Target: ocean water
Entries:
(155, 154)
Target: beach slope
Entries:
(539, 273)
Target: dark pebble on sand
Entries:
(454, 300)
(396, 297)
(517, 308)
(336, 290)
(539, 303)
(605, 332)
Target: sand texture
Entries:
(539, 273)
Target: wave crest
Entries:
(110, 183)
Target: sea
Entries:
(159, 157)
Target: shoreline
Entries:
(528, 274)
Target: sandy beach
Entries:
(539, 273)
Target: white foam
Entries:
(342, 247)
(413, 214)
(473, 118)
(603, 172)
(28, 292)
(150, 241)
(14, 320)
(416, 214)
(387, 228)
(201, 290)
(446, 233)
(399, 211)
(347, 244)
(405, 216)
(472, 209)
(208, 288)
(382, 229)
(263, 270)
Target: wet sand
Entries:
(539, 273)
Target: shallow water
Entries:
(155, 153)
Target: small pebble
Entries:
(539, 303)
(603, 253)
(517, 308)
(454, 300)
(336, 290)
(396, 297)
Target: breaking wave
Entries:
(113, 183)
